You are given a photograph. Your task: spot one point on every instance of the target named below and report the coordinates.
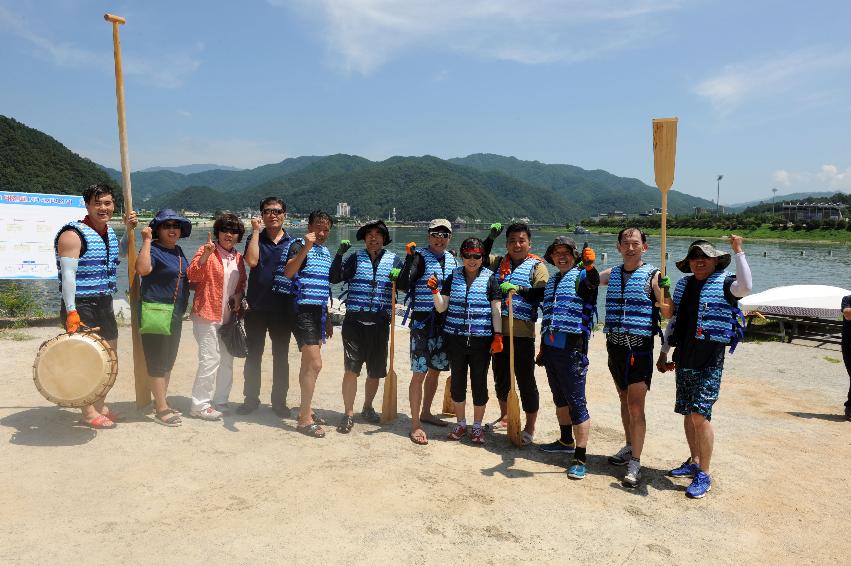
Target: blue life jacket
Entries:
(563, 309)
(717, 320)
(420, 295)
(629, 309)
(521, 276)
(97, 268)
(469, 312)
(312, 282)
(281, 284)
(370, 290)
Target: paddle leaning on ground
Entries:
(388, 404)
(513, 408)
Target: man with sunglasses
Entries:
(428, 353)
(267, 311)
(706, 320)
(519, 268)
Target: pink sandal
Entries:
(99, 422)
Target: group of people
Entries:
(458, 310)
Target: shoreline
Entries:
(714, 235)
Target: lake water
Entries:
(773, 264)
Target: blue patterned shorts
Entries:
(427, 352)
(697, 390)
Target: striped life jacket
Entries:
(469, 312)
(564, 310)
(629, 309)
(717, 320)
(522, 276)
(420, 296)
(97, 268)
(282, 284)
(312, 282)
(370, 290)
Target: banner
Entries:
(28, 226)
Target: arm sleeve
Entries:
(336, 275)
(68, 265)
(496, 316)
(488, 242)
(494, 294)
(195, 272)
(446, 289)
(441, 300)
(666, 335)
(743, 284)
(588, 284)
(532, 295)
(412, 270)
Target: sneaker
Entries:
(622, 457)
(700, 485)
(477, 435)
(247, 408)
(576, 471)
(369, 415)
(633, 474)
(457, 432)
(686, 470)
(558, 447)
(206, 414)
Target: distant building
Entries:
(808, 212)
(191, 214)
(343, 210)
(392, 216)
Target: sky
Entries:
(762, 89)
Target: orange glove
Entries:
(410, 247)
(496, 345)
(588, 257)
(432, 284)
(72, 322)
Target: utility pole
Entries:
(718, 197)
(773, 199)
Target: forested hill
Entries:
(33, 162)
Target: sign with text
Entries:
(28, 226)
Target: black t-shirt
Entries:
(846, 324)
(259, 293)
(690, 352)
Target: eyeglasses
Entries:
(229, 230)
(170, 225)
(440, 235)
(471, 256)
(274, 211)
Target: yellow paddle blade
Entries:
(513, 402)
(664, 151)
(448, 405)
(388, 405)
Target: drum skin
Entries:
(75, 370)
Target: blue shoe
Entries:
(558, 447)
(686, 470)
(701, 484)
(576, 471)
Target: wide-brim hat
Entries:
(166, 215)
(361, 234)
(710, 251)
(561, 241)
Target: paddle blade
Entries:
(664, 151)
(514, 418)
(388, 405)
(448, 405)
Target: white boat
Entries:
(815, 301)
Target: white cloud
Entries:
(169, 71)
(738, 84)
(831, 175)
(367, 33)
(828, 177)
(782, 177)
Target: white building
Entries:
(343, 210)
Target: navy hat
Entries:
(166, 215)
(361, 234)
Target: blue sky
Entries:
(762, 89)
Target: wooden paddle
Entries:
(140, 369)
(448, 404)
(513, 403)
(664, 156)
(388, 405)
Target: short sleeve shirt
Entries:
(259, 293)
(160, 284)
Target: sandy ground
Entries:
(251, 489)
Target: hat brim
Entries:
(361, 233)
(548, 255)
(185, 225)
(723, 258)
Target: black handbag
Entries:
(233, 334)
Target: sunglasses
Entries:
(170, 225)
(440, 235)
(471, 256)
(229, 230)
(274, 211)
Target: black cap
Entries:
(361, 234)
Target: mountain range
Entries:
(480, 186)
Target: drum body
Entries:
(75, 370)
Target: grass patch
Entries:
(15, 335)
(832, 360)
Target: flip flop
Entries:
(168, 417)
(498, 424)
(114, 417)
(526, 438)
(312, 429)
(99, 422)
(432, 420)
(420, 438)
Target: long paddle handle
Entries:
(392, 323)
(664, 233)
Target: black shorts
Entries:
(160, 350)
(365, 343)
(630, 366)
(308, 328)
(96, 312)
